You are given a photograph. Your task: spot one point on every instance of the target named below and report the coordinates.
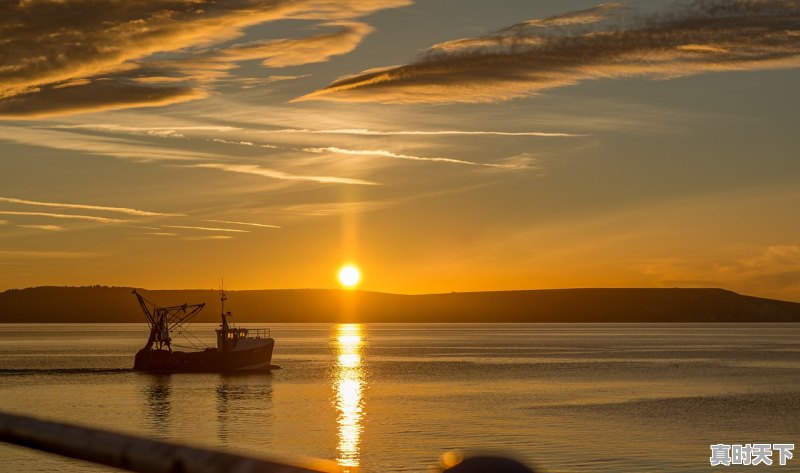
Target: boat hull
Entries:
(210, 360)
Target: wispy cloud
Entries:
(327, 209)
(581, 17)
(273, 174)
(389, 154)
(606, 42)
(142, 130)
(166, 134)
(206, 229)
(367, 132)
(49, 228)
(133, 151)
(252, 82)
(230, 222)
(123, 210)
(160, 233)
(337, 208)
(771, 270)
(90, 218)
(211, 237)
(28, 254)
(775, 255)
(114, 147)
(243, 143)
(106, 57)
(293, 52)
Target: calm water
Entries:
(392, 397)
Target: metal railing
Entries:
(258, 333)
(143, 455)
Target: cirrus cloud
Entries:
(605, 42)
(124, 210)
(293, 52)
(93, 97)
(71, 56)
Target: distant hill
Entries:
(117, 304)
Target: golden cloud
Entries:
(293, 52)
(71, 46)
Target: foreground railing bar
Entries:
(133, 453)
(142, 455)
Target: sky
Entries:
(439, 145)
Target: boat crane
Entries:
(162, 320)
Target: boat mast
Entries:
(224, 328)
(223, 298)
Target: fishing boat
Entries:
(238, 349)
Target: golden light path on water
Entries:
(349, 386)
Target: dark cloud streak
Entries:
(72, 45)
(606, 42)
(93, 97)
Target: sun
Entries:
(349, 276)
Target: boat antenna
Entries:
(223, 297)
(222, 294)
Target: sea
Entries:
(398, 397)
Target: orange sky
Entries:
(517, 145)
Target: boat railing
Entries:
(258, 333)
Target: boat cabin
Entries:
(230, 337)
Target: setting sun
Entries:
(349, 276)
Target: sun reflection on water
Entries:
(348, 386)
